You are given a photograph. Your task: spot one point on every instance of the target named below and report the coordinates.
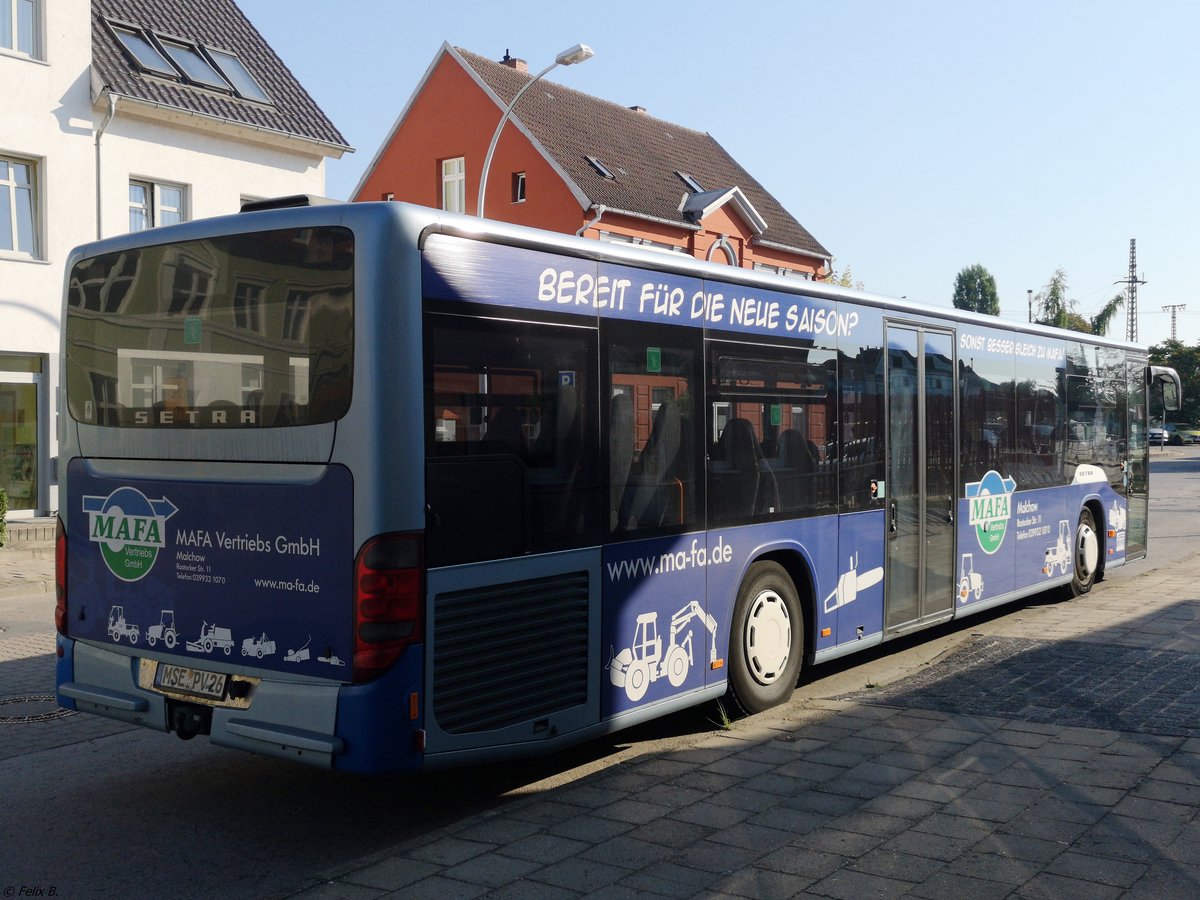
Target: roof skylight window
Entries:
(194, 66)
(187, 61)
(239, 76)
(691, 182)
(601, 169)
(144, 53)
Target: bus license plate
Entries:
(187, 680)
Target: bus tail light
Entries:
(60, 578)
(388, 602)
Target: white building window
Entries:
(454, 185)
(20, 22)
(152, 204)
(18, 206)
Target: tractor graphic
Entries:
(119, 628)
(164, 631)
(211, 638)
(636, 667)
(969, 581)
(259, 646)
(1059, 556)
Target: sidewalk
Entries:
(27, 559)
(1055, 753)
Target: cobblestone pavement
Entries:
(1053, 752)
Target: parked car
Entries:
(1174, 433)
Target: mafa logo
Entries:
(130, 529)
(990, 500)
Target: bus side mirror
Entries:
(1170, 394)
(1167, 379)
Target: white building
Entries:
(117, 115)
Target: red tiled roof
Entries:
(641, 151)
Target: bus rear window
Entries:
(238, 331)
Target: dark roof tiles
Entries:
(215, 23)
(642, 151)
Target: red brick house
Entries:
(570, 162)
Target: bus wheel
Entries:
(766, 641)
(1087, 554)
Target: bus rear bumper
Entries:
(360, 728)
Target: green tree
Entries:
(844, 279)
(975, 289)
(1054, 307)
(1057, 309)
(1186, 361)
(1102, 319)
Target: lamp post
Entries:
(576, 54)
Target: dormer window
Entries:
(601, 169)
(187, 61)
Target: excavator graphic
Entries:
(636, 667)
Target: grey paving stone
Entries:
(897, 865)
(391, 874)
(849, 884)
(628, 852)
(492, 869)
(1101, 869)
(960, 887)
(450, 851)
(804, 862)
(577, 874)
(544, 848)
(590, 828)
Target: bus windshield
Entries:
(237, 331)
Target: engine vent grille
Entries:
(509, 653)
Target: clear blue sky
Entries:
(912, 139)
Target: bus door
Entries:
(921, 476)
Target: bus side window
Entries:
(511, 459)
(654, 435)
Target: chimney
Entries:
(513, 63)
(639, 109)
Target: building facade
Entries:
(130, 114)
(570, 162)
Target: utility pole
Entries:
(1029, 293)
(1172, 309)
(1131, 283)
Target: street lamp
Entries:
(576, 54)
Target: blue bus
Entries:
(380, 488)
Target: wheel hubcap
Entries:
(768, 637)
(1087, 550)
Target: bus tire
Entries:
(1086, 554)
(766, 640)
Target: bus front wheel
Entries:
(1087, 554)
(766, 642)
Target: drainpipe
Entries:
(112, 111)
(600, 209)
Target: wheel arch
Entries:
(1094, 505)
